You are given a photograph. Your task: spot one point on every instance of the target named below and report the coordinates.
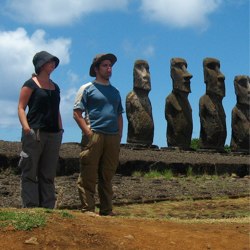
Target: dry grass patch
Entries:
(203, 209)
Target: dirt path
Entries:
(107, 233)
(112, 233)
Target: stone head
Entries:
(179, 74)
(213, 78)
(242, 89)
(141, 75)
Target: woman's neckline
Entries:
(49, 86)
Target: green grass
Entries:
(28, 219)
(190, 172)
(66, 214)
(168, 174)
(137, 174)
(154, 174)
(22, 220)
(195, 144)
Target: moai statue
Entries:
(240, 141)
(213, 131)
(178, 111)
(138, 107)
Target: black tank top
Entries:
(43, 107)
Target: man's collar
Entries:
(102, 83)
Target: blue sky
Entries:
(156, 31)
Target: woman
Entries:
(41, 133)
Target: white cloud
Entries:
(17, 49)
(16, 52)
(180, 13)
(149, 51)
(72, 77)
(66, 105)
(138, 49)
(8, 111)
(58, 12)
(177, 13)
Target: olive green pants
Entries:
(98, 163)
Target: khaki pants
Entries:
(38, 162)
(98, 163)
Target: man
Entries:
(102, 131)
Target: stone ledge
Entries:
(141, 160)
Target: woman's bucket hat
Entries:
(43, 57)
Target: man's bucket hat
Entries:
(99, 58)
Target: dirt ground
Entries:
(87, 232)
(84, 231)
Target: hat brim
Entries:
(111, 57)
(56, 59)
(43, 57)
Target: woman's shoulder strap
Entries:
(30, 84)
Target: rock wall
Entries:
(131, 160)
